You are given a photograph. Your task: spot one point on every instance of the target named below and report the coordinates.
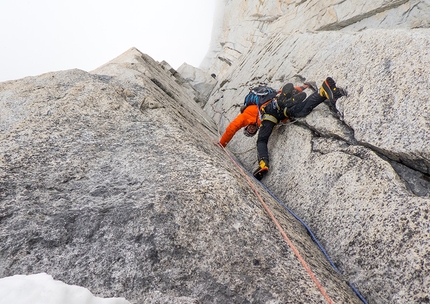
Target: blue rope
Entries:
(308, 230)
(314, 239)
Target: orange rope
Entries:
(284, 235)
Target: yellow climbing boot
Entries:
(330, 91)
(261, 170)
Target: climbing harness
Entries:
(269, 118)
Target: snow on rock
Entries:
(43, 289)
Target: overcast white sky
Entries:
(39, 36)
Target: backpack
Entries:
(258, 96)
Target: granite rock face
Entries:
(361, 182)
(200, 80)
(110, 180)
(240, 24)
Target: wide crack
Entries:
(415, 180)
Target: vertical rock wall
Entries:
(241, 23)
(362, 183)
(110, 180)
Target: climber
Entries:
(249, 116)
(290, 103)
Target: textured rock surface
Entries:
(371, 216)
(110, 180)
(201, 81)
(242, 23)
(112, 174)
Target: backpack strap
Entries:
(264, 115)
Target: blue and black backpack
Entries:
(258, 96)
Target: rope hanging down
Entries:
(312, 235)
(284, 235)
(296, 252)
